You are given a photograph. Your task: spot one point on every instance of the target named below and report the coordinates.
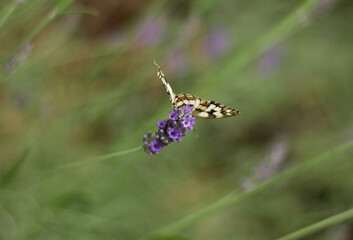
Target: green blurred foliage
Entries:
(85, 85)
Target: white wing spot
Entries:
(179, 104)
(202, 114)
(212, 106)
(217, 109)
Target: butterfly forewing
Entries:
(203, 108)
(166, 85)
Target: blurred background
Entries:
(77, 81)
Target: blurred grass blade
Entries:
(21, 195)
(281, 31)
(232, 199)
(81, 10)
(341, 217)
(7, 12)
(58, 9)
(11, 174)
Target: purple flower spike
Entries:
(171, 130)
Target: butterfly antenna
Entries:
(155, 63)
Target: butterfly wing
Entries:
(203, 108)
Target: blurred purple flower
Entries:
(217, 43)
(247, 184)
(324, 6)
(171, 130)
(177, 61)
(341, 232)
(270, 61)
(150, 32)
(272, 162)
(269, 167)
(18, 58)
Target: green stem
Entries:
(232, 199)
(348, 214)
(58, 9)
(99, 158)
(79, 163)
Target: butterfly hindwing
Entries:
(204, 108)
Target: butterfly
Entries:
(202, 108)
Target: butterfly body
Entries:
(205, 109)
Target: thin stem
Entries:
(99, 158)
(343, 216)
(232, 199)
(80, 163)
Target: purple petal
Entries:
(162, 124)
(156, 146)
(173, 115)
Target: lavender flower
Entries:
(217, 43)
(19, 58)
(178, 61)
(171, 130)
(324, 6)
(269, 167)
(150, 32)
(270, 61)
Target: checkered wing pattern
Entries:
(202, 108)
